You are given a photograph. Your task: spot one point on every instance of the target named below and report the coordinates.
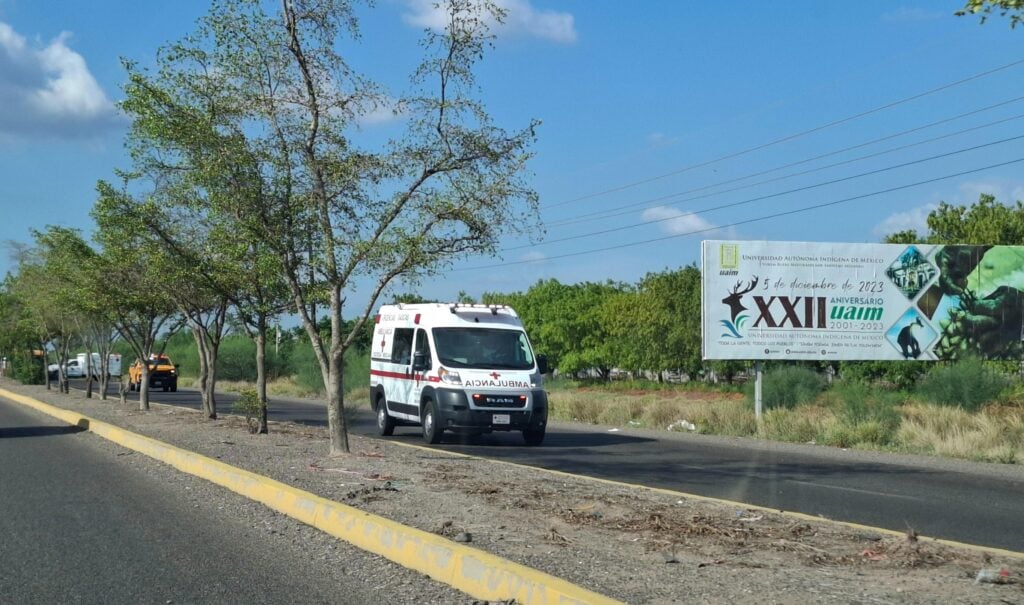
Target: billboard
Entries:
(832, 301)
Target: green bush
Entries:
(306, 369)
(861, 403)
(236, 359)
(902, 375)
(787, 387)
(248, 405)
(27, 369)
(968, 384)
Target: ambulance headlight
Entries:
(449, 377)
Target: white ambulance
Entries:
(456, 367)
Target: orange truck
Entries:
(162, 373)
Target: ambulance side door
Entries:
(421, 346)
(400, 392)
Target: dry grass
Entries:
(710, 412)
(995, 434)
(282, 387)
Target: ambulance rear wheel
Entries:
(431, 431)
(385, 423)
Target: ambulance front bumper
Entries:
(455, 413)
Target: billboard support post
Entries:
(758, 376)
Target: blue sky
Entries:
(653, 112)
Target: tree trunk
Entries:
(334, 381)
(144, 388)
(204, 368)
(336, 408)
(209, 390)
(261, 371)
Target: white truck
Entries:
(78, 367)
(456, 367)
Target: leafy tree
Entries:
(258, 106)
(19, 337)
(986, 222)
(664, 309)
(48, 301)
(564, 322)
(75, 265)
(136, 298)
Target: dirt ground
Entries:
(636, 545)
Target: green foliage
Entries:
(1012, 8)
(237, 359)
(787, 387)
(564, 322)
(665, 308)
(248, 405)
(968, 383)
(27, 369)
(356, 369)
(866, 415)
(902, 375)
(986, 222)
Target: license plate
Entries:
(502, 419)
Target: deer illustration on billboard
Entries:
(734, 298)
(733, 301)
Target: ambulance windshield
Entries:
(485, 348)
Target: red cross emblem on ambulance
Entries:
(494, 375)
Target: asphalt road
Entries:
(935, 498)
(80, 524)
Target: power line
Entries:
(747, 221)
(768, 196)
(628, 208)
(796, 135)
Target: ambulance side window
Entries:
(401, 349)
(423, 346)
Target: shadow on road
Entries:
(39, 431)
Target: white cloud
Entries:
(1005, 192)
(913, 15)
(48, 90)
(534, 257)
(383, 111)
(660, 139)
(521, 19)
(676, 222)
(915, 218)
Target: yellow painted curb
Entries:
(792, 514)
(477, 573)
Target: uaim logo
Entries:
(735, 304)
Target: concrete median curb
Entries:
(477, 573)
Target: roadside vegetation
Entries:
(927, 417)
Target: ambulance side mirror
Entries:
(542, 364)
(419, 362)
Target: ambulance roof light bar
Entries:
(456, 307)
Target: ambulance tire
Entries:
(431, 431)
(533, 437)
(385, 423)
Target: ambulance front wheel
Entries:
(385, 423)
(533, 436)
(431, 431)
